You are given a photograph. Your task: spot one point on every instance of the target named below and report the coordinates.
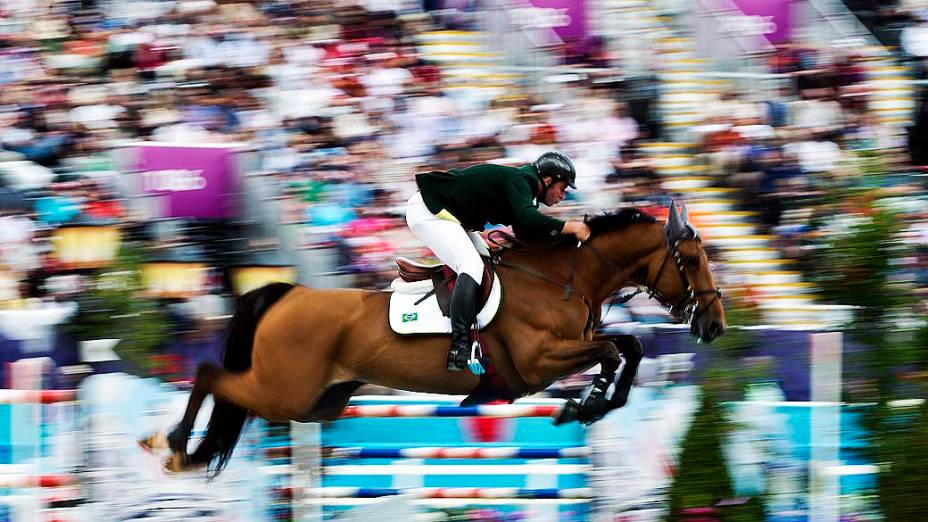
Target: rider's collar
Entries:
(542, 190)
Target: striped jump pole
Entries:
(340, 483)
(458, 469)
(36, 481)
(462, 452)
(36, 396)
(500, 411)
(457, 503)
(472, 493)
(40, 432)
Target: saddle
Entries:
(443, 279)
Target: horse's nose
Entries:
(714, 330)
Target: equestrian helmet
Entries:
(558, 166)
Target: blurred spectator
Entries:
(816, 110)
(918, 133)
(815, 153)
(17, 252)
(914, 38)
(634, 176)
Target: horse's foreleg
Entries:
(632, 351)
(332, 403)
(595, 405)
(574, 356)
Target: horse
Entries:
(294, 353)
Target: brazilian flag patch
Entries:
(408, 318)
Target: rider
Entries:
(450, 206)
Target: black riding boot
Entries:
(463, 314)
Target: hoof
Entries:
(595, 404)
(569, 413)
(180, 462)
(619, 400)
(592, 409)
(155, 441)
(175, 463)
(588, 418)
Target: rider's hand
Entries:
(578, 229)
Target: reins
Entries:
(521, 246)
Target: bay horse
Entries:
(297, 353)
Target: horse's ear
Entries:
(687, 226)
(674, 224)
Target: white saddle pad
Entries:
(406, 317)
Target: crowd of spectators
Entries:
(334, 97)
(836, 155)
(343, 109)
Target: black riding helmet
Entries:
(557, 166)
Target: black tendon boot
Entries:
(463, 313)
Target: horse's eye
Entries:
(692, 262)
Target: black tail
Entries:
(227, 420)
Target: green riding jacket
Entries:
(488, 193)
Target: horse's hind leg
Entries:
(180, 435)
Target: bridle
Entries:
(686, 310)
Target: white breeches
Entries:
(453, 245)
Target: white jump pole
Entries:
(825, 427)
(306, 443)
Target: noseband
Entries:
(687, 309)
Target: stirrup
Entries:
(458, 360)
(475, 363)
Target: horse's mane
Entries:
(599, 224)
(618, 220)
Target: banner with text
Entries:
(189, 181)
(732, 28)
(566, 17)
